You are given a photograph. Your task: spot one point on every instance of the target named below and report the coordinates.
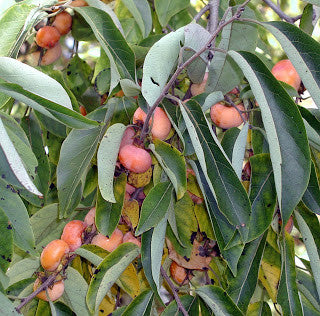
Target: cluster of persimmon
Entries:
(48, 36)
(56, 255)
(132, 155)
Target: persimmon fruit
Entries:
(106, 243)
(78, 3)
(161, 125)
(47, 37)
(285, 71)
(82, 110)
(178, 273)
(135, 159)
(128, 237)
(72, 234)
(49, 57)
(198, 88)
(53, 253)
(226, 116)
(89, 220)
(63, 22)
(54, 292)
(128, 137)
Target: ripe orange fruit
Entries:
(128, 237)
(198, 88)
(89, 220)
(49, 57)
(226, 116)
(284, 71)
(178, 273)
(135, 159)
(72, 234)
(63, 22)
(106, 243)
(47, 37)
(54, 291)
(53, 253)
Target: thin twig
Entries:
(179, 69)
(174, 291)
(280, 13)
(198, 16)
(228, 99)
(214, 15)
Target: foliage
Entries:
(237, 209)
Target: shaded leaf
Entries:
(190, 303)
(289, 150)
(141, 305)
(108, 271)
(6, 242)
(173, 163)
(218, 300)
(6, 306)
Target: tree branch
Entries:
(281, 14)
(198, 16)
(179, 69)
(174, 291)
(214, 15)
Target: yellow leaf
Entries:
(129, 281)
(130, 212)
(269, 275)
(140, 180)
(204, 221)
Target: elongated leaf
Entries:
(308, 227)
(107, 158)
(288, 296)
(108, 271)
(262, 195)
(6, 242)
(140, 10)
(173, 163)
(259, 309)
(229, 193)
(242, 287)
(290, 155)
(224, 74)
(190, 303)
(17, 214)
(108, 214)
(302, 50)
(159, 64)
(211, 99)
(75, 290)
(141, 305)
(6, 306)
(229, 138)
(76, 153)
(14, 160)
(167, 9)
(154, 206)
(218, 300)
(307, 287)
(121, 56)
(311, 197)
(222, 228)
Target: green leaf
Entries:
(6, 242)
(308, 308)
(288, 296)
(159, 64)
(311, 197)
(218, 300)
(121, 56)
(75, 290)
(141, 305)
(108, 214)
(309, 226)
(18, 154)
(224, 74)
(75, 156)
(173, 163)
(6, 306)
(154, 207)
(289, 150)
(229, 138)
(124, 109)
(242, 287)
(22, 270)
(107, 158)
(306, 21)
(211, 99)
(259, 309)
(167, 9)
(190, 303)
(307, 286)
(222, 228)
(32, 128)
(17, 214)
(229, 193)
(140, 10)
(262, 195)
(108, 271)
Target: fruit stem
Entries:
(181, 67)
(174, 291)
